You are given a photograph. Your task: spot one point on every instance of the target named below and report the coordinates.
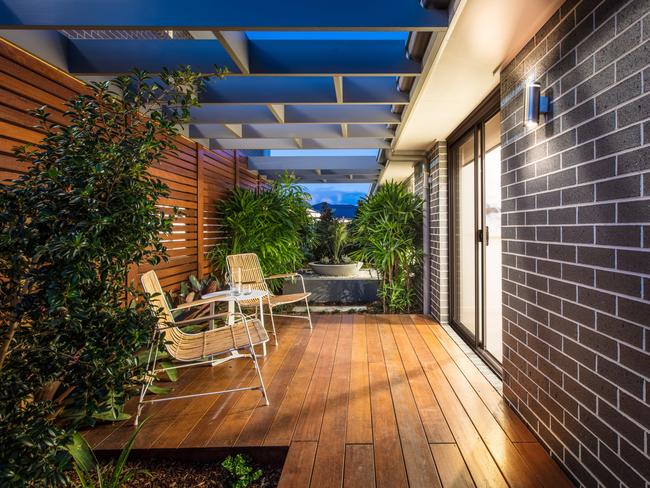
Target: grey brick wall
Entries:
(439, 251)
(576, 229)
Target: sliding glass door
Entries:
(491, 242)
(475, 229)
(465, 257)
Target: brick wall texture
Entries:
(439, 249)
(576, 229)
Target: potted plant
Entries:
(333, 237)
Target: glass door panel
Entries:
(492, 238)
(476, 236)
(465, 236)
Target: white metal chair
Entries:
(250, 274)
(239, 332)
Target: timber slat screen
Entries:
(197, 177)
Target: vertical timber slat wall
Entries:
(576, 237)
(197, 177)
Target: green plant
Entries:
(91, 474)
(70, 228)
(387, 231)
(241, 473)
(332, 238)
(270, 223)
(191, 290)
(321, 246)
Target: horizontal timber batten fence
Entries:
(197, 177)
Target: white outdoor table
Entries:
(233, 299)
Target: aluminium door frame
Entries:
(474, 124)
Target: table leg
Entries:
(231, 321)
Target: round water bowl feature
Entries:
(348, 269)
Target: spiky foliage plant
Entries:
(271, 224)
(388, 236)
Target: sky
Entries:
(336, 193)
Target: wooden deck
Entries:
(364, 400)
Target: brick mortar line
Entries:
(561, 387)
(561, 442)
(593, 288)
(618, 363)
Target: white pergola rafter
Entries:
(299, 92)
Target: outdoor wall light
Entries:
(534, 104)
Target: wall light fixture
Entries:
(534, 104)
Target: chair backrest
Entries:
(151, 286)
(249, 266)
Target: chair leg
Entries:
(153, 351)
(140, 404)
(275, 334)
(259, 375)
(308, 313)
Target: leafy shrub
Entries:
(242, 474)
(70, 228)
(271, 224)
(189, 291)
(388, 233)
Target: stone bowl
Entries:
(346, 269)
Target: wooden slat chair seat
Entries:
(189, 347)
(250, 274)
(276, 300)
(238, 333)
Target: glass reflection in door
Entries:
(464, 303)
(492, 336)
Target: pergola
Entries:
(303, 75)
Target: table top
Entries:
(231, 296)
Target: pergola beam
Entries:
(278, 111)
(293, 143)
(344, 163)
(283, 131)
(236, 129)
(242, 56)
(298, 90)
(294, 114)
(298, 15)
(323, 177)
(236, 44)
(338, 88)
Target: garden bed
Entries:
(195, 467)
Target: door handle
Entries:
(483, 235)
